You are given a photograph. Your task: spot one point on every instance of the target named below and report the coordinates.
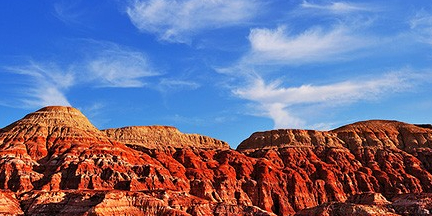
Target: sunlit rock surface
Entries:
(55, 162)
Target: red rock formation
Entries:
(375, 204)
(58, 148)
(9, 204)
(388, 157)
(54, 161)
(160, 137)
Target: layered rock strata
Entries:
(377, 156)
(160, 137)
(55, 162)
(375, 204)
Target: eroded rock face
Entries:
(385, 134)
(58, 163)
(57, 148)
(55, 162)
(375, 204)
(374, 133)
(9, 204)
(160, 137)
(385, 157)
(289, 138)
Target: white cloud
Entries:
(176, 21)
(277, 46)
(105, 65)
(421, 25)
(95, 112)
(46, 85)
(46, 95)
(341, 92)
(281, 117)
(119, 67)
(174, 84)
(68, 12)
(335, 7)
(108, 65)
(275, 101)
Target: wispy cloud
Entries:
(336, 7)
(68, 11)
(103, 65)
(278, 46)
(278, 52)
(176, 84)
(275, 101)
(116, 66)
(199, 121)
(46, 85)
(93, 109)
(421, 25)
(177, 21)
(95, 112)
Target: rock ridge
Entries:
(372, 133)
(159, 137)
(55, 162)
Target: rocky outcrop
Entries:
(375, 204)
(9, 204)
(385, 134)
(289, 138)
(385, 157)
(55, 162)
(373, 133)
(160, 137)
(57, 148)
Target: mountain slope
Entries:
(55, 162)
(160, 137)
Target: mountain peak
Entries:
(58, 109)
(384, 125)
(38, 131)
(59, 128)
(54, 117)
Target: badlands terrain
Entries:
(55, 162)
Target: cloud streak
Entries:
(109, 65)
(105, 65)
(335, 7)
(67, 12)
(280, 51)
(275, 101)
(421, 26)
(47, 84)
(119, 67)
(278, 46)
(177, 21)
(176, 84)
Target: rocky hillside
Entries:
(55, 162)
(386, 157)
(160, 137)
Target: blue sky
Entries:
(223, 68)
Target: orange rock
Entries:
(54, 161)
(160, 137)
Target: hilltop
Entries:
(55, 162)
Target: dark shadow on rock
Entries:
(71, 204)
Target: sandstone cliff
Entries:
(55, 162)
(385, 157)
(160, 137)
